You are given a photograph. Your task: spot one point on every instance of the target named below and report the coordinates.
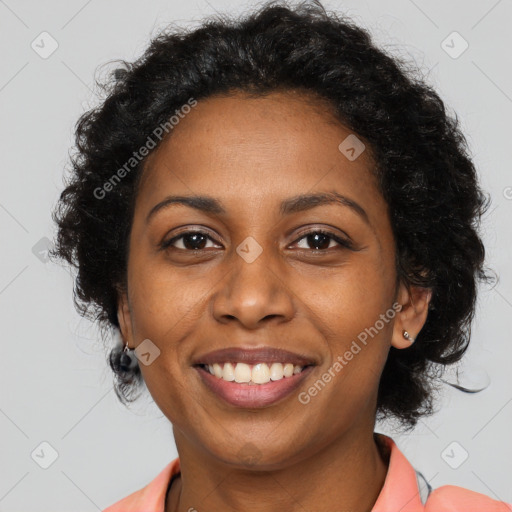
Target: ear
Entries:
(413, 315)
(124, 318)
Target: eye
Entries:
(189, 241)
(322, 240)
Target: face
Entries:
(258, 268)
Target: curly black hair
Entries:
(422, 164)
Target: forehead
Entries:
(245, 147)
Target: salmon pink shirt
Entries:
(404, 490)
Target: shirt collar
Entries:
(400, 492)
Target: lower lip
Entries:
(253, 395)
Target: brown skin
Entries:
(250, 154)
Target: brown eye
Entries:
(319, 240)
(188, 241)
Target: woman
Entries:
(281, 223)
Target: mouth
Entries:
(252, 386)
(252, 374)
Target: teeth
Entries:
(228, 372)
(256, 374)
(260, 373)
(242, 372)
(276, 371)
(288, 370)
(217, 370)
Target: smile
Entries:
(252, 386)
(260, 373)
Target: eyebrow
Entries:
(208, 204)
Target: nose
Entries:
(253, 293)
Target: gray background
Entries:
(56, 386)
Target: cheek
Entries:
(164, 301)
(164, 310)
(357, 345)
(352, 300)
(354, 313)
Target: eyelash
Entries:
(343, 243)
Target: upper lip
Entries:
(254, 356)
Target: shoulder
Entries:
(150, 498)
(451, 498)
(404, 491)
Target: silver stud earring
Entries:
(407, 336)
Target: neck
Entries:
(349, 472)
